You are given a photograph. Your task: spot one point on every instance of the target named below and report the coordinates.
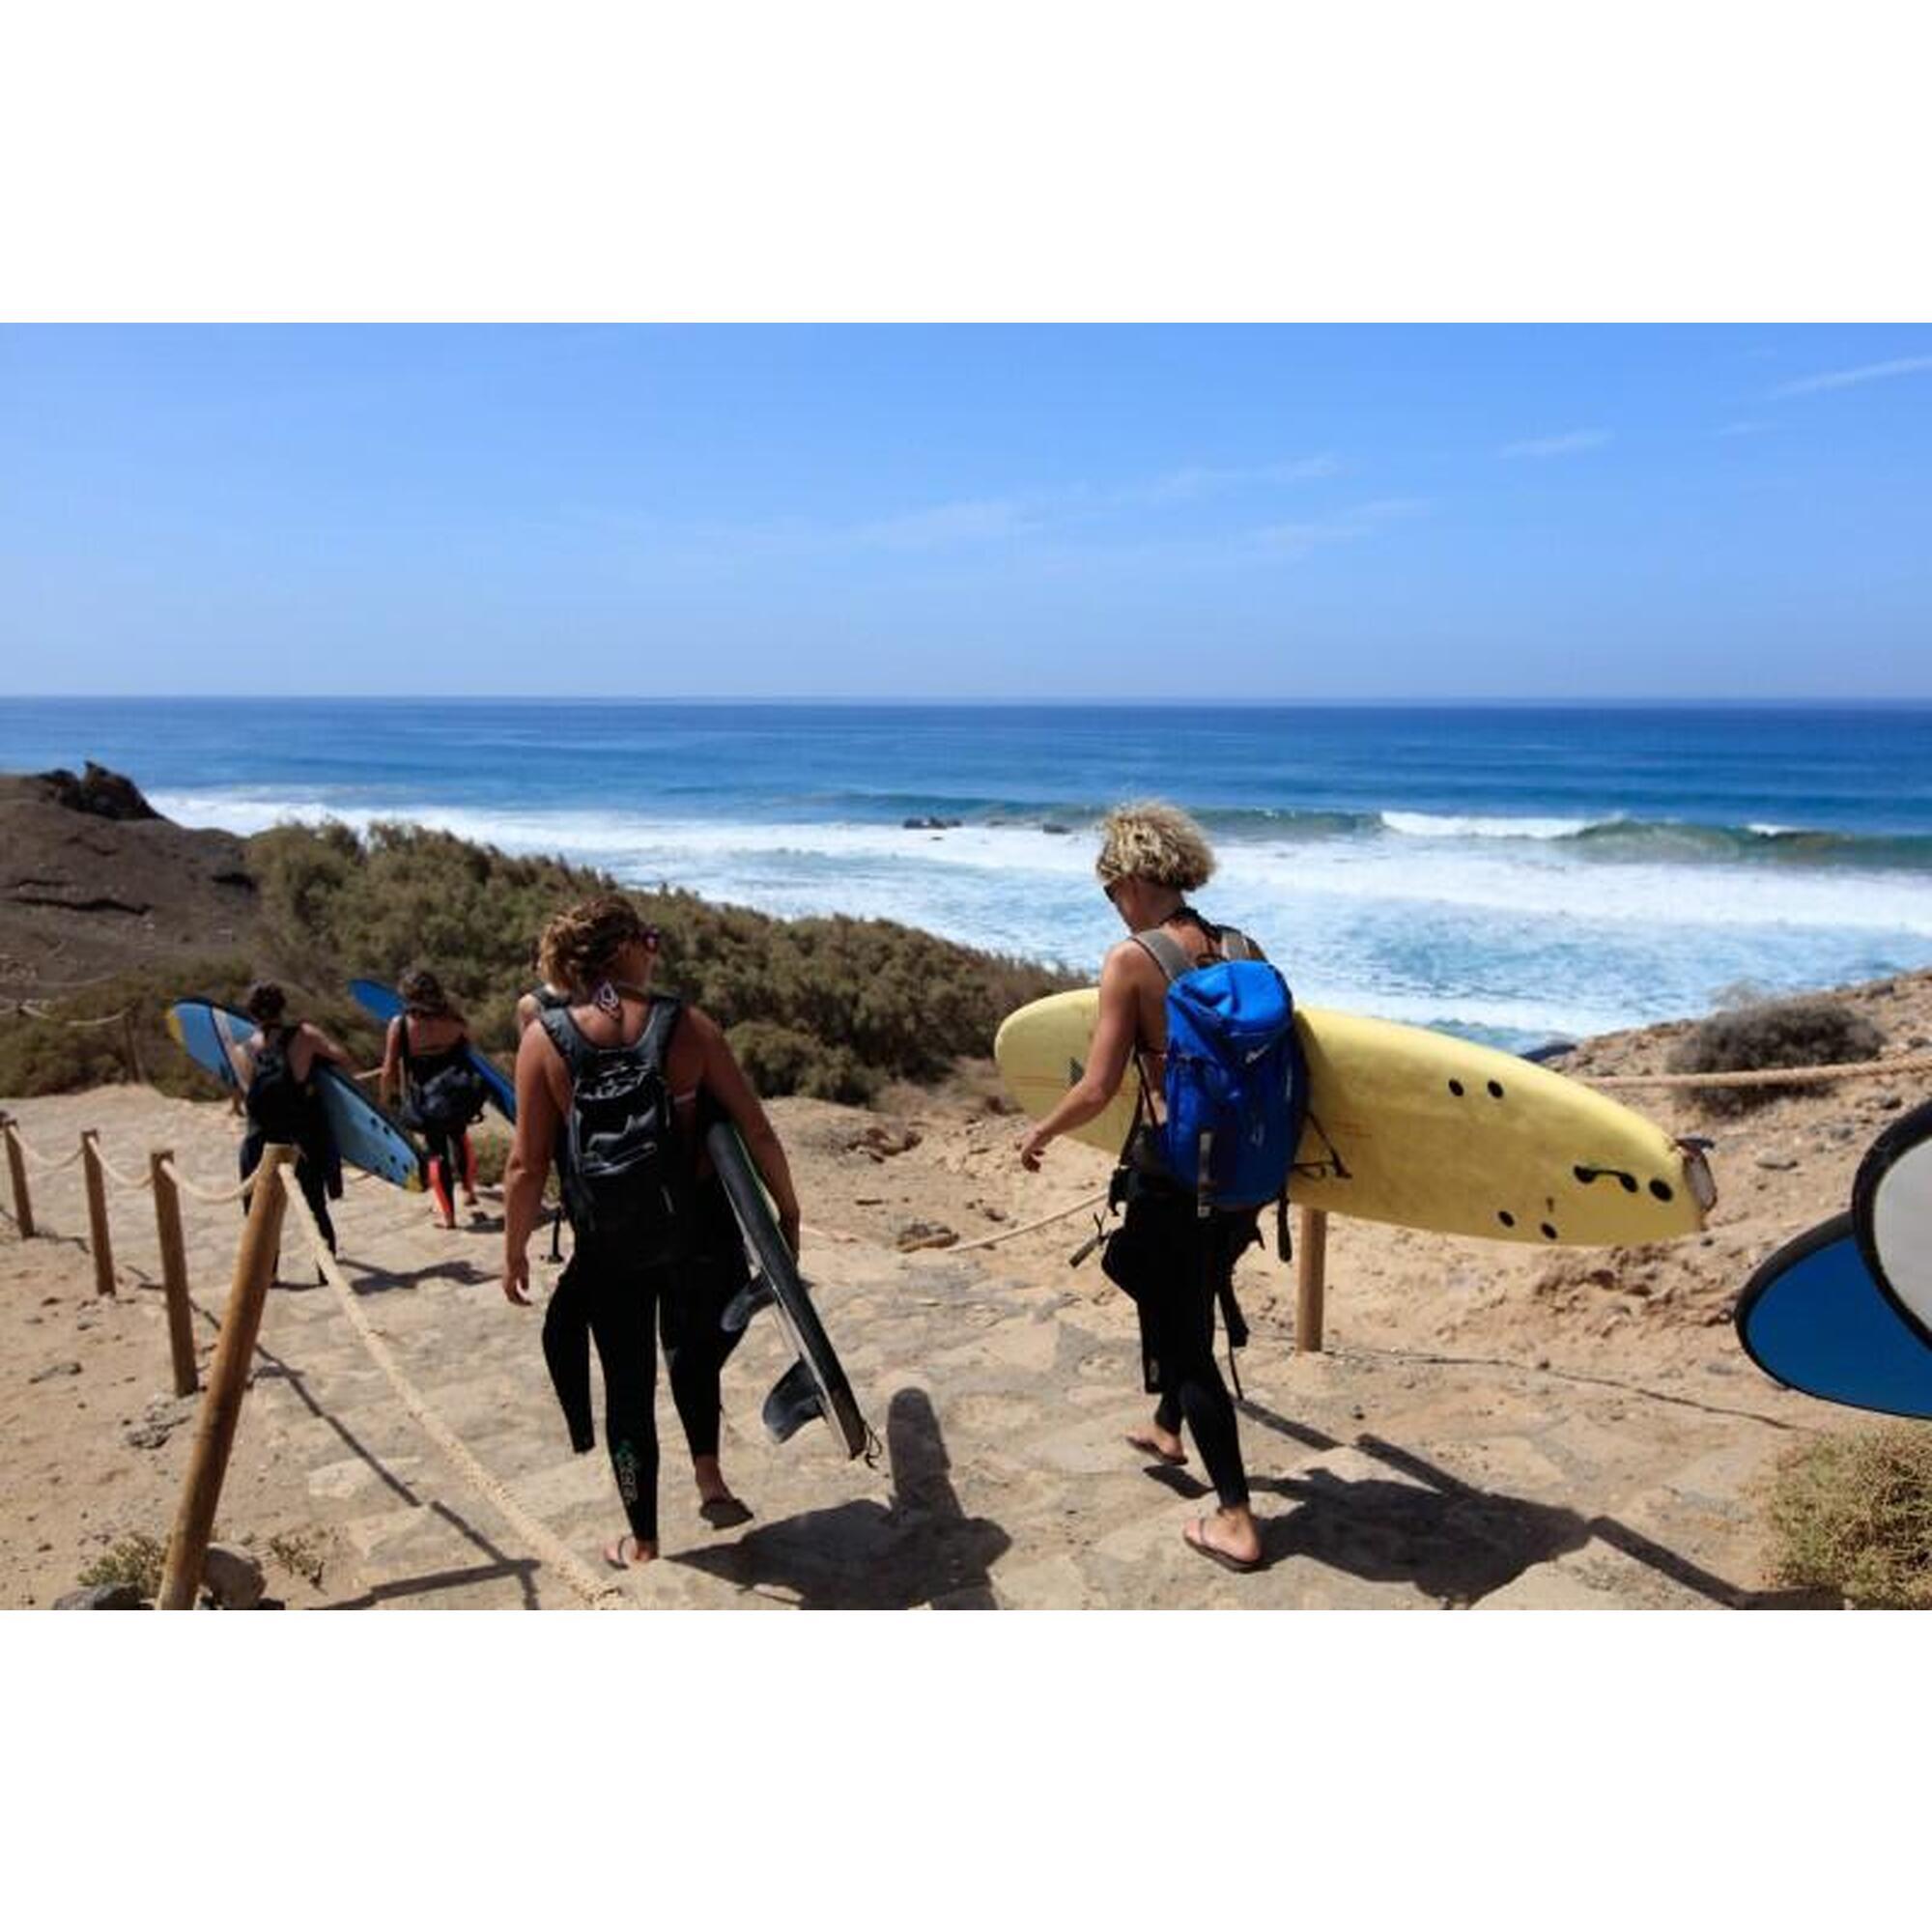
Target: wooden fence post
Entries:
(16, 1169)
(174, 1269)
(227, 1382)
(99, 1237)
(135, 1070)
(1311, 1281)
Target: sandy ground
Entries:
(1489, 1426)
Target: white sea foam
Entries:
(1523, 934)
(1439, 825)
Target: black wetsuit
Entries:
(1176, 1263)
(283, 1109)
(443, 1141)
(606, 1297)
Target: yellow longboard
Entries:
(1429, 1131)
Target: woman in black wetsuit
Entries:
(426, 1059)
(678, 1257)
(277, 1072)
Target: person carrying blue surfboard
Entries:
(1208, 1026)
(426, 1057)
(618, 1087)
(276, 1066)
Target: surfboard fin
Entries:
(756, 1293)
(792, 1403)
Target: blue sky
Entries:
(1324, 513)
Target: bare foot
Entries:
(1228, 1537)
(641, 1552)
(1160, 1444)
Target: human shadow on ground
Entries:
(1450, 1539)
(500, 1563)
(465, 1273)
(919, 1548)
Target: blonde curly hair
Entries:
(1156, 842)
(579, 945)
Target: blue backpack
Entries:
(1237, 1086)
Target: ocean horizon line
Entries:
(1839, 705)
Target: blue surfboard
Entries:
(385, 1002)
(1815, 1318)
(213, 1037)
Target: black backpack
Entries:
(451, 1098)
(277, 1099)
(627, 1175)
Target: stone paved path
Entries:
(1000, 1391)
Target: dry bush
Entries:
(830, 1007)
(1783, 1032)
(1853, 1515)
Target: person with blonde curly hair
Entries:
(1175, 1261)
(679, 1258)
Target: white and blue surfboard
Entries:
(214, 1037)
(1844, 1312)
(385, 1002)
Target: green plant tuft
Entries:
(1853, 1515)
(135, 1559)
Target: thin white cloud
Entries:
(1297, 539)
(1194, 481)
(1566, 444)
(945, 525)
(1847, 379)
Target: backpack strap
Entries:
(652, 1046)
(1166, 951)
(1174, 958)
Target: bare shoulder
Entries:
(698, 1026)
(1127, 964)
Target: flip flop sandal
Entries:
(725, 1511)
(1195, 1537)
(613, 1552)
(1159, 1455)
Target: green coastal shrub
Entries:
(1853, 1515)
(47, 1055)
(830, 1007)
(1780, 1032)
(779, 1060)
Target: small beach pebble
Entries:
(1778, 1163)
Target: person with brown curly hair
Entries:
(617, 1089)
(1174, 1262)
(426, 1060)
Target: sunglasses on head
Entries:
(1112, 889)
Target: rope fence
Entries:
(598, 1594)
(212, 1196)
(254, 1266)
(1769, 1076)
(993, 1240)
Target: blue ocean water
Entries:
(1511, 870)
